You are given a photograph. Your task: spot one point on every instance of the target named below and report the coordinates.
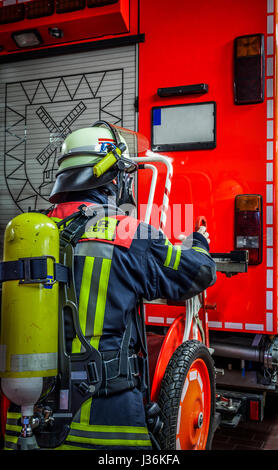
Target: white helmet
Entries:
(86, 150)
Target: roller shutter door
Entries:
(42, 100)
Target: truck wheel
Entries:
(187, 399)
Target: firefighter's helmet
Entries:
(92, 157)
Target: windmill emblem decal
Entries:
(39, 114)
(60, 132)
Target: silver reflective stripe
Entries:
(3, 348)
(84, 148)
(34, 362)
(79, 375)
(94, 249)
(13, 421)
(64, 399)
(109, 435)
(173, 258)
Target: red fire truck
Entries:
(198, 80)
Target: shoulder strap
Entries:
(72, 232)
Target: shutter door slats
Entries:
(42, 100)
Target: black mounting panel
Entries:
(198, 89)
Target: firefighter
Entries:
(118, 260)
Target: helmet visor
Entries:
(137, 144)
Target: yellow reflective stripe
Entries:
(109, 442)
(13, 427)
(13, 415)
(9, 438)
(65, 447)
(101, 302)
(172, 252)
(200, 250)
(169, 252)
(84, 299)
(178, 257)
(101, 428)
(85, 412)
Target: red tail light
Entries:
(99, 3)
(64, 6)
(39, 8)
(248, 226)
(11, 13)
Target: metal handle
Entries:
(200, 221)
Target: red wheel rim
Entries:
(194, 409)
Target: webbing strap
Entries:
(124, 350)
(72, 232)
(112, 367)
(32, 270)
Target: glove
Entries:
(202, 230)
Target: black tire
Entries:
(186, 355)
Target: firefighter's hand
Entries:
(202, 230)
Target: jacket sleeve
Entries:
(177, 272)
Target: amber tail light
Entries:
(249, 69)
(249, 226)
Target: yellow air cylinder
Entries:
(29, 312)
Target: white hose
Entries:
(150, 158)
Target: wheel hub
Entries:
(195, 408)
(199, 421)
